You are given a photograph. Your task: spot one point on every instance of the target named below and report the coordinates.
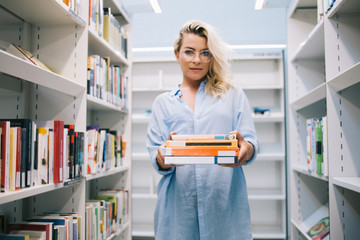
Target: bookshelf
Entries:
(61, 38)
(260, 73)
(323, 63)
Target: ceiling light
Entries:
(259, 4)
(155, 6)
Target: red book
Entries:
(32, 226)
(18, 159)
(5, 139)
(58, 150)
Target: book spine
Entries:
(191, 151)
(319, 153)
(58, 150)
(204, 137)
(202, 143)
(180, 160)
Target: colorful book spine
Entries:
(197, 151)
(202, 143)
(204, 137)
(180, 160)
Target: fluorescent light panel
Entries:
(259, 4)
(155, 6)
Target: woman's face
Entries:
(194, 57)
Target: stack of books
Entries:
(201, 149)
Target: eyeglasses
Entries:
(204, 55)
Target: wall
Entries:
(236, 21)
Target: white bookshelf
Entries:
(324, 82)
(61, 39)
(259, 73)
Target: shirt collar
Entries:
(177, 92)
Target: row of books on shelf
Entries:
(317, 146)
(43, 152)
(106, 213)
(74, 5)
(201, 149)
(105, 81)
(39, 152)
(48, 226)
(104, 23)
(106, 149)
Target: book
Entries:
(43, 139)
(33, 235)
(33, 226)
(204, 137)
(181, 160)
(325, 163)
(14, 237)
(199, 151)
(202, 143)
(25, 165)
(12, 158)
(5, 155)
(320, 229)
(56, 141)
(319, 144)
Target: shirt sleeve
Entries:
(155, 138)
(245, 124)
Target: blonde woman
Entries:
(202, 201)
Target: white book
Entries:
(180, 160)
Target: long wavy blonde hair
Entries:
(219, 72)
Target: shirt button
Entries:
(198, 175)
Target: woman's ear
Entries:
(177, 56)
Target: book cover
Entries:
(25, 165)
(204, 137)
(319, 150)
(33, 226)
(320, 229)
(5, 155)
(43, 138)
(201, 143)
(182, 160)
(199, 151)
(14, 237)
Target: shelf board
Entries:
(270, 157)
(344, 6)
(117, 10)
(273, 117)
(269, 234)
(49, 12)
(11, 64)
(310, 221)
(35, 190)
(144, 196)
(106, 173)
(262, 87)
(120, 231)
(151, 90)
(351, 183)
(303, 170)
(100, 46)
(313, 46)
(94, 103)
(140, 156)
(313, 96)
(265, 194)
(299, 4)
(346, 79)
(137, 118)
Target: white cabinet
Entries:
(59, 37)
(323, 82)
(261, 75)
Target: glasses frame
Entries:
(201, 57)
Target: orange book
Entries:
(203, 137)
(199, 151)
(201, 143)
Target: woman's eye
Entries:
(205, 53)
(189, 52)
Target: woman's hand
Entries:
(160, 158)
(246, 151)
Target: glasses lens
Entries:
(189, 55)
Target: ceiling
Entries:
(143, 6)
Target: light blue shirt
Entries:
(207, 202)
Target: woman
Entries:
(202, 201)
